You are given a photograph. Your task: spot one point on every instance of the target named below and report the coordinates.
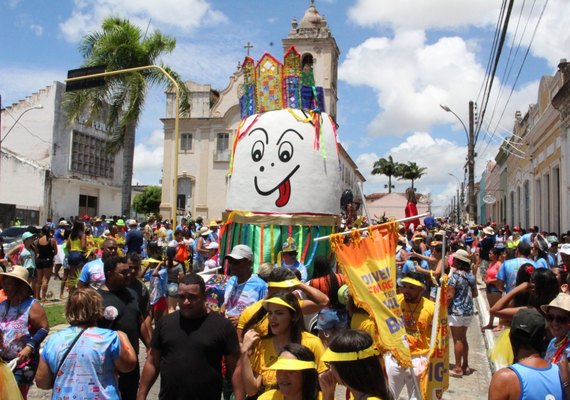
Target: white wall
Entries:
(21, 183)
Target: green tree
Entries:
(386, 166)
(411, 171)
(148, 202)
(121, 45)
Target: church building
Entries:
(206, 135)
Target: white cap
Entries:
(240, 252)
(565, 249)
(131, 222)
(212, 246)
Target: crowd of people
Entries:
(213, 328)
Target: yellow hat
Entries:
(289, 283)
(289, 246)
(279, 301)
(291, 364)
(213, 224)
(412, 281)
(331, 356)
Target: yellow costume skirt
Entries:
(502, 353)
(8, 386)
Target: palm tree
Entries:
(386, 167)
(121, 45)
(411, 171)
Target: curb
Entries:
(488, 336)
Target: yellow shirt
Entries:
(265, 354)
(262, 327)
(418, 318)
(358, 318)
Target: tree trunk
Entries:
(389, 183)
(412, 183)
(128, 159)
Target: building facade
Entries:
(207, 134)
(50, 169)
(532, 166)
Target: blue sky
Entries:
(399, 61)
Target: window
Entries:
(222, 147)
(186, 142)
(184, 195)
(87, 205)
(526, 192)
(90, 156)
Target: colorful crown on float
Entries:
(271, 85)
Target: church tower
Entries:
(313, 39)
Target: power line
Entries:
(495, 65)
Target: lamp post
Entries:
(38, 107)
(470, 158)
(459, 197)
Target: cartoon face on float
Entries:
(281, 165)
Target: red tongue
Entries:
(284, 193)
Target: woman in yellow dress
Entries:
(259, 353)
(297, 377)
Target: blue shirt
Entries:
(300, 266)
(538, 383)
(508, 272)
(88, 372)
(93, 274)
(410, 266)
(238, 297)
(462, 303)
(541, 263)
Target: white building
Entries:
(206, 137)
(50, 169)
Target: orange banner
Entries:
(368, 262)
(435, 379)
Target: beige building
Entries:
(532, 173)
(206, 137)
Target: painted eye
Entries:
(257, 151)
(285, 151)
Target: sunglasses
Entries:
(561, 320)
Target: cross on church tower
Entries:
(247, 47)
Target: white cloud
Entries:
(147, 164)
(13, 3)
(37, 29)
(439, 156)
(16, 83)
(411, 78)
(418, 14)
(185, 15)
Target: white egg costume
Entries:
(284, 178)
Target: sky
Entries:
(399, 61)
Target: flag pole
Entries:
(318, 239)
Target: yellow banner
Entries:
(435, 379)
(369, 266)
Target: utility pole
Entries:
(471, 166)
(458, 207)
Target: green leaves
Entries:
(387, 166)
(148, 202)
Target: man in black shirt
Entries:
(187, 348)
(121, 312)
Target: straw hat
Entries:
(17, 272)
(489, 231)
(203, 231)
(462, 255)
(562, 301)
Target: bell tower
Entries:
(314, 41)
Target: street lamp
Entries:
(459, 197)
(37, 107)
(470, 158)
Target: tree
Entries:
(121, 45)
(411, 171)
(386, 167)
(148, 202)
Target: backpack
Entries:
(15, 256)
